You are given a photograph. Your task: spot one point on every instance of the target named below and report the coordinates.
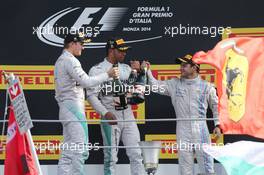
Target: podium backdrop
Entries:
(32, 35)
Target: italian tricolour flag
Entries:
(239, 158)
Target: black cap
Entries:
(188, 60)
(117, 43)
(76, 37)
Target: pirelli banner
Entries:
(31, 77)
(48, 147)
(165, 72)
(170, 146)
(244, 32)
(42, 78)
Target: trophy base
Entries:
(151, 168)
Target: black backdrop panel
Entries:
(147, 25)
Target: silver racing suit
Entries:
(190, 99)
(112, 134)
(70, 79)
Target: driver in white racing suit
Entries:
(191, 96)
(103, 103)
(70, 79)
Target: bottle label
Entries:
(120, 102)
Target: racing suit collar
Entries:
(108, 63)
(191, 81)
(67, 52)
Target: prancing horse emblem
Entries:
(235, 73)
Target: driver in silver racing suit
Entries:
(70, 79)
(190, 96)
(103, 103)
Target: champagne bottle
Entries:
(138, 96)
(120, 101)
(132, 77)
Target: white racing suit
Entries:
(112, 134)
(70, 79)
(190, 99)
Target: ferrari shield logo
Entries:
(235, 73)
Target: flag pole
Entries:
(28, 133)
(34, 153)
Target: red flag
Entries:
(19, 159)
(240, 83)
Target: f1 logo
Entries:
(109, 20)
(90, 21)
